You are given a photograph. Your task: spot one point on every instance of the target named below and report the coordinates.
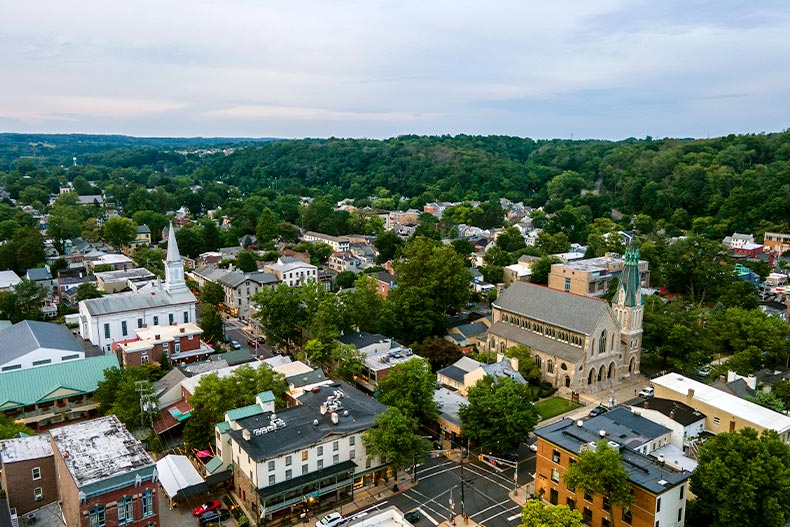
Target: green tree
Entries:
(345, 279)
(394, 437)
(281, 314)
(439, 353)
(510, 240)
(119, 231)
(541, 269)
(347, 362)
(388, 244)
(10, 429)
(246, 261)
(768, 400)
(211, 324)
(697, 268)
(600, 470)
(87, 290)
(212, 293)
(156, 221)
(29, 297)
(537, 514)
(410, 386)
(549, 243)
(743, 480)
(781, 390)
(499, 415)
(364, 304)
(151, 259)
(267, 229)
(119, 393)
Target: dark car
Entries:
(255, 341)
(598, 410)
(226, 339)
(206, 507)
(412, 516)
(216, 516)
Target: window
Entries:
(69, 357)
(186, 317)
(587, 515)
(97, 517)
(320, 464)
(272, 479)
(605, 522)
(125, 510)
(106, 331)
(352, 440)
(658, 505)
(680, 514)
(42, 362)
(139, 323)
(606, 505)
(148, 503)
(123, 328)
(288, 474)
(36, 472)
(38, 494)
(555, 456)
(555, 476)
(550, 366)
(287, 461)
(335, 459)
(304, 455)
(320, 451)
(554, 497)
(156, 320)
(716, 420)
(571, 503)
(352, 454)
(335, 446)
(271, 466)
(588, 497)
(658, 523)
(12, 367)
(682, 489)
(627, 517)
(304, 469)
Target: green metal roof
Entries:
(214, 465)
(222, 427)
(47, 383)
(266, 397)
(244, 411)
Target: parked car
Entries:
(412, 516)
(206, 507)
(333, 519)
(598, 410)
(213, 517)
(646, 393)
(255, 341)
(235, 345)
(704, 371)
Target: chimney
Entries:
(690, 395)
(751, 380)
(157, 337)
(181, 330)
(672, 414)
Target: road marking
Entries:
(500, 504)
(515, 516)
(429, 499)
(422, 505)
(484, 474)
(428, 516)
(500, 513)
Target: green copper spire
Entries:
(629, 291)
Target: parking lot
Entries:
(181, 516)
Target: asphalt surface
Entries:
(484, 497)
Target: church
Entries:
(116, 317)
(580, 343)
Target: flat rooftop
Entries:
(99, 449)
(25, 448)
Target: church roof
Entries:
(630, 287)
(566, 310)
(135, 300)
(554, 347)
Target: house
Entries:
(28, 472)
(239, 287)
(685, 422)
(91, 199)
(179, 343)
(738, 241)
(292, 273)
(449, 404)
(116, 281)
(660, 491)
(737, 385)
(32, 344)
(339, 244)
(593, 276)
(466, 335)
(465, 372)
(313, 450)
(42, 277)
(112, 318)
(47, 395)
(776, 242)
(8, 279)
(381, 354)
(385, 283)
(580, 343)
(142, 239)
(105, 476)
(724, 412)
(344, 261)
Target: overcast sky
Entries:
(291, 68)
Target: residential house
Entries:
(42, 277)
(738, 241)
(466, 335)
(449, 404)
(117, 281)
(724, 412)
(737, 385)
(776, 242)
(580, 343)
(105, 476)
(366, 252)
(685, 422)
(141, 240)
(32, 344)
(293, 273)
(47, 395)
(465, 372)
(381, 354)
(385, 283)
(8, 279)
(339, 262)
(116, 262)
(338, 243)
(28, 472)
(593, 276)
(239, 287)
(660, 491)
(179, 343)
(313, 450)
(521, 270)
(112, 318)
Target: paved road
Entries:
(485, 491)
(238, 330)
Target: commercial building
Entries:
(28, 472)
(32, 344)
(593, 276)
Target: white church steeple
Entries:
(174, 267)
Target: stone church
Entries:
(581, 343)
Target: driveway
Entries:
(181, 516)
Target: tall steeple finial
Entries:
(629, 291)
(172, 247)
(174, 267)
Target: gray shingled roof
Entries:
(28, 335)
(147, 299)
(567, 310)
(539, 342)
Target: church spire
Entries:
(629, 292)
(174, 267)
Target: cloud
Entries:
(304, 113)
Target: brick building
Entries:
(28, 473)
(105, 476)
(180, 343)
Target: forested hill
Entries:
(733, 183)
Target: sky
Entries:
(608, 69)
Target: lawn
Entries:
(554, 406)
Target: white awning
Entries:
(177, 473)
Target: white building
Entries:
(30, 344)
(116, 317)
(338, 244)
(293, 273)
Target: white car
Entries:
(333, 519)
(646, 393)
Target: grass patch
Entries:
(554, 406)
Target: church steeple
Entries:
(628, 307)
(629, 291)
(174, 266)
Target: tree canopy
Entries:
(409, 386)
(537, 514)
(394, 437)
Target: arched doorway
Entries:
(567, 381)
(601, 373)
(631, 365)
(591, 377)
(611, 370)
